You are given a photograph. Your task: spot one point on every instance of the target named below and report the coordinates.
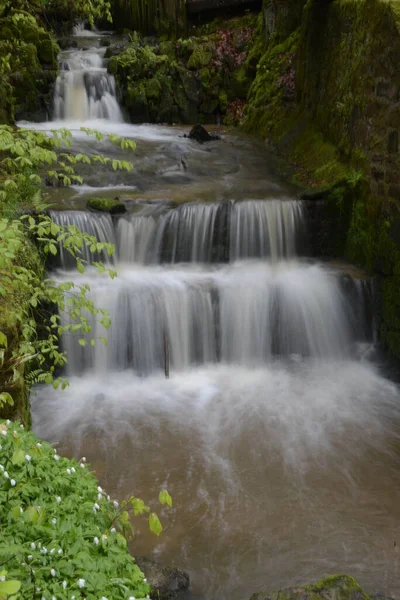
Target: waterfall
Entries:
(99, 226)
(265, 229)
(84, 90)
(243, 314)
(215, 232)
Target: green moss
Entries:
(201, 57)
(106, 205)
(336, 587)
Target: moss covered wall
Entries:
(327, 93)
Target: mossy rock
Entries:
(201, 57)
(109, 205)
(337, 587)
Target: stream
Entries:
(276, 433)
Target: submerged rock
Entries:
(110, 205)
(336, 587)
(167, 583)
(201, 135)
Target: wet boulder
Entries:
(201, 135)
(167, 583)
(336, 587)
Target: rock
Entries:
(201, 135)
(167, 583)
(337, 587)
(110, 205)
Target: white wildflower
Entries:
(72, 469)
(1, 468)
(23, 564)
(144, 579)
(69, 471)
(83, 458)
(96, 506)
(59, 552)
(44, 550)
(53, 572)
(6, 475)
(99, 489)
(3, 578)
(108, 498)
(131, 598)
(64, 584)
(56, 457)
(96, 540)
(33, 546)
(39, 445)
(103, 598)
(3, 431)
(99, 496)
(82, 465)
(8, 422)
(116, 504)
(54, 521)
(81, 583)
(104, 537)
(28, 458)
(21, 426)
(13, 482)
(30, 557)
(113, 530)
(52, 551)
(58, 499)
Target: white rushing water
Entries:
(242, 314)
(84, 90)
(278, 443)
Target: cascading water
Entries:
(277, 442)
(214, 232)
(84, 90)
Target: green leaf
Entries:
(9, 587)
(139, 507)
(18, 458)
(155, 524)
(124, 517)
(3, 340)
(165, 498)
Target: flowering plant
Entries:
(61, 536)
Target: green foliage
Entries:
(62, 536)
(62, 14)
(28, 63)
(35, 311)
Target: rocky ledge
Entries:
(167, 583)
(336, 587)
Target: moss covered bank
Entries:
(327, 94)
